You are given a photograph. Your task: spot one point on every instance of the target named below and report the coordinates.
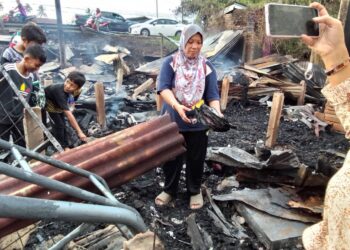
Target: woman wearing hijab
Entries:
(185, 79)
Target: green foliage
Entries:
(203, 8)
(261, 3)
(206, 8)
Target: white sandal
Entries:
(163, 199)
(196, 201)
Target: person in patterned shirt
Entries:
(22, 74)
(333, 232)
(30, 33)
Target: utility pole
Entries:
(60, 34)
(182, 12)
(157, 8)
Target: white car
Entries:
(167, 27)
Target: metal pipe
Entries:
(110, 196)
(21, 161)
(53, 185)
(38, 209)
(72, 235)
(56, 163)
(107, 193)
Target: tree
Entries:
(1, 7)
(28, 7)
(203, 8)
(41, 11)
(88, 11)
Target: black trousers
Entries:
(16, 130)
(58, 128)
(196, 145)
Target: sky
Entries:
(126, 8)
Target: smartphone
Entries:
(284, 20)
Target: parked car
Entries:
(115, 21)
(167, 27)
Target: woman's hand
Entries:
(82, 137)
(181, 110)
(330, 45)
(215, 104)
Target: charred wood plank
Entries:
(236, 231)
(159, 100)
(301, 98)
(225, 87)
(143, 87)
(120, 78)
(34, 135)
(198, 243)
(219, 224)
(274, 120)
(100, 104)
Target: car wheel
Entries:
(178, 34)
(145, 32)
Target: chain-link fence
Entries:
(11, 115)
(20, 114)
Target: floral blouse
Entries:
(333, 232)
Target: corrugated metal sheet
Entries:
(117, 158)
(214, 48)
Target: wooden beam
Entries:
(159, 100)
(120, 77)
(194, 233)
(225, 87)
(143, 87)
(125, 67)
(301, 98)
(274, 120)
(248, 46)
(100, 104)
(34, 135)
(18, 239)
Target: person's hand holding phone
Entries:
(330, 45)
(332, 34)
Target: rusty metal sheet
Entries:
(117, 158)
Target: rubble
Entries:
(276, 215)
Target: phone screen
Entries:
(290, 20)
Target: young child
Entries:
(58, 99)
(30, 33)
(22, 74)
